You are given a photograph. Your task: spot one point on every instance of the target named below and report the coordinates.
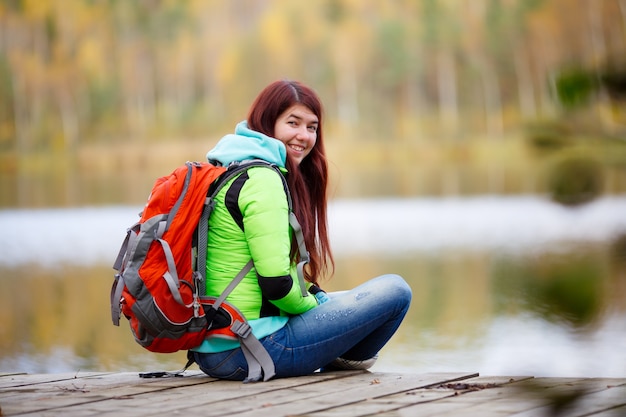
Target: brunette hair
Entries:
(308, 181)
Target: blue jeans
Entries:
(354, 325)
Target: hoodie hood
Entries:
(246, 144)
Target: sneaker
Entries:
(341, 364)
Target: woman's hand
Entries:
(319, 294)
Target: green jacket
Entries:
(250, 221)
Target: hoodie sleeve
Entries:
(263, 204)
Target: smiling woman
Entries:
(300, 327)
(297, 129)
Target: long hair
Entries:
(308, 181)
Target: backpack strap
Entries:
(118, 283)
(244, 271)
(304, 254)
(239, 166)
(181, 198)
(203, 229)
(260, 363)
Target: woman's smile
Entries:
(297, 127)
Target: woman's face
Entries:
(297, 127)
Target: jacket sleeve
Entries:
(265, 211)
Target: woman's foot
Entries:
(341, 364)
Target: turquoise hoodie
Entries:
(246, 144)
(266, 238)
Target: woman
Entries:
(250, 221)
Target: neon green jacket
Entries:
(250, 220)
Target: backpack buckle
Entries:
(241, 329)
(196, 307)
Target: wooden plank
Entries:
(48, 392)
(222, 397)
(385, 404)
(234, 397)
(339, 394)
(389, 403)
(20, 379)
(319, 397)
(3, 374)
(613, 412)
(585, 397)
(501, 400)
(174, 395)
(528, 398)
(607, 399)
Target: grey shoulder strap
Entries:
(233, 170)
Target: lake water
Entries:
(502, 285)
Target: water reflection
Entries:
(569, 289)
(58, 320)
(500, 306)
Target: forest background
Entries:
(429, 97)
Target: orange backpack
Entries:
(160, 283)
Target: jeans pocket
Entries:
(223, 365)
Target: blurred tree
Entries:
(576, 180)
(75, 71)
(575, 86)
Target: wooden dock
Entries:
(345, 394)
